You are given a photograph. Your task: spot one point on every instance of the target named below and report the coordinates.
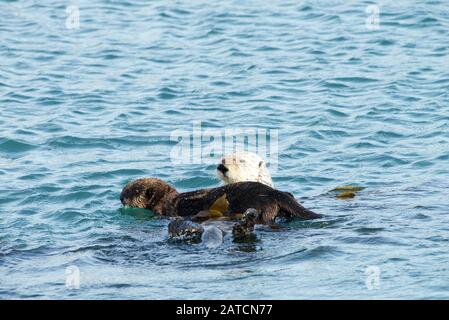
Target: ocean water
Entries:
(85, 108)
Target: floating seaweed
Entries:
(216, 210)
(348, 188)
(346, 195)
(347, 192)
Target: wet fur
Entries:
(147, 193)
(158, 196)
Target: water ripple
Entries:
(84, 111)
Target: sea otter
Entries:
(164, 200)
(243, 166)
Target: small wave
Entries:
(15, 146)
(337, 113)
(128, 173)
(66, 142)
(355, 80)
(329, 84)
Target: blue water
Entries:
(85, 110)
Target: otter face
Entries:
(243, 166)
(147, 193)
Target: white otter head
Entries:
(243, 166)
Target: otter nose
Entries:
(222, 168)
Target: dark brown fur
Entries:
(147, 193)
(158, 196)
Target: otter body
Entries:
(158, 196)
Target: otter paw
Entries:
(250, 215)
(185, 230)
(244, 229)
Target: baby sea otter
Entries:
(158, 196)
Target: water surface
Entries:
(83, 111)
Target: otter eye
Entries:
(260, 163)
(242, 160)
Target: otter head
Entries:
(243, 166)
(147, 193)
